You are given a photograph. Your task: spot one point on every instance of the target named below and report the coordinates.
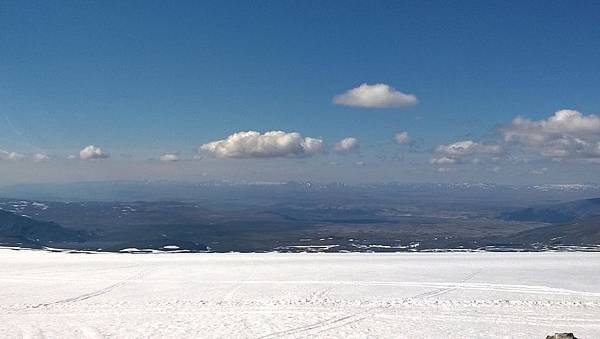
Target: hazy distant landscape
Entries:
(298, 217)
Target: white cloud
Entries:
(402, 138)
(14, 156)
(460, 151)
(92, 152)
(445, 169)
(540, 171)
(442, 161)
(311, 146)
(271, 144)
(375, 96)
(468, 147)
(346, 145)
(360, 163)
(566, 134)
(40, 157)
(169, 157)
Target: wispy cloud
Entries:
(443, 161)
(402, 138)
(468, 147)
(462, 152)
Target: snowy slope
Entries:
(417, 295)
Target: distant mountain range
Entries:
(172, 190)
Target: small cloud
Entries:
(540, 171)
(13, 156)
(92, 152)
(273, 144)
(468, 147)
(169, 157)
(445, 169)
(375, 96)
(346, 145)
(360, 163)
(40, 157)
(402, 138)
(16, 156)
(466, 151)
(442, 161)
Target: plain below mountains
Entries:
(298, 226)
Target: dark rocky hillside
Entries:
(17, 229)
(556, 213)
(583, 232)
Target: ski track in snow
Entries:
(276, 295)
(92, 294)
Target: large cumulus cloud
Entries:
(273, 144)
(568, 134)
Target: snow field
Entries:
(277, 295)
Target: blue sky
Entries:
(141, 79)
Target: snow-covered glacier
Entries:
(276, 295)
